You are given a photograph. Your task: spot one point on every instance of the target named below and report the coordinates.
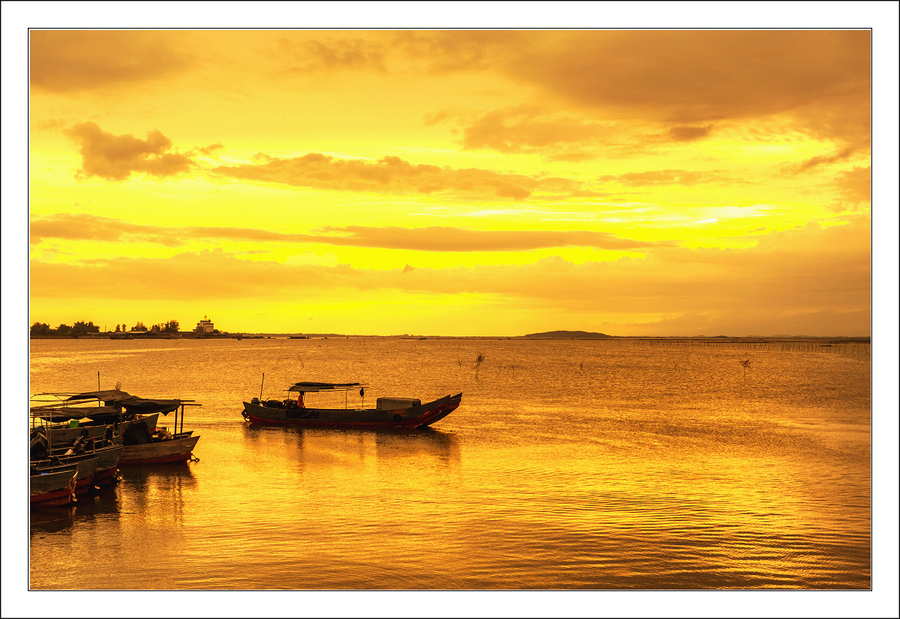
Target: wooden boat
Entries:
(388, 412)
(53, 487)
(107, 453)
(109, 456)
(142, 445)
(178, 448)
(85, 468)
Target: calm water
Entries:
(569, 465)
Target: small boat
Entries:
(142, 444)
(53, 487)
(85, 468)
(105, 449)
(388, 412)
(160, 450)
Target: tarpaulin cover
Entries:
(109, 395)
(313, 387)
(145, 407)
(113, 398)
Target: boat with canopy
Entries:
(388, 412)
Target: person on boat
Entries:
(77, 447)
(300, 403)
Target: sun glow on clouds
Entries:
(453, 182)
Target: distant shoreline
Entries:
(550, 335)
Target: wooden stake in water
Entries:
(261, 386)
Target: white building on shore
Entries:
(205, 326)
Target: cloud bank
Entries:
(432, 239)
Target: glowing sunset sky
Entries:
(471, 182)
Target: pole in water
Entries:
(98, 381)
(261, 386)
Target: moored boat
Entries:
(178, 448)
(53, 487)
(142, 445)
(388, 413)
(85, 469)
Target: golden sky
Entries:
(453, 182)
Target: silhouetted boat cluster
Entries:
(78, 441)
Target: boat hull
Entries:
(109, 464)
(53, 488)
(403, 418)
(86, 468)
(178, 449)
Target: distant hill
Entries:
(568, 335)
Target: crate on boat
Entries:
(392, 404)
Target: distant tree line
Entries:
(84, 328)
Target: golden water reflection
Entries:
(595, 466)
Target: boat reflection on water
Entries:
(348, 444)
(150, 478)
(148, 489)
(427, 441)
(102, 502)
(51, 520)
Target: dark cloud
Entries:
(514, 132)
(435, 239)
(79, 60)
(698, 76)
(391, 175)
(692, 78)
(115, 157)
(687, 133)
(813, 162)
(209, 150)
(854, 188)
(85, 227)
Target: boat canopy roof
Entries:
(112, 398)
(313, 387)
(65, 413)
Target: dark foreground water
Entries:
(569, 465)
